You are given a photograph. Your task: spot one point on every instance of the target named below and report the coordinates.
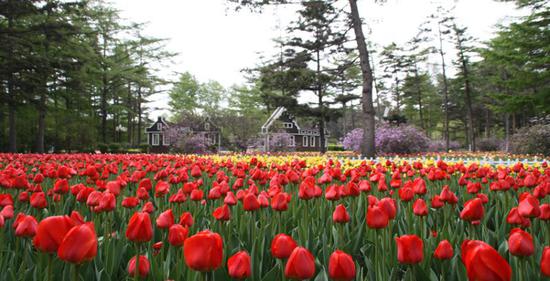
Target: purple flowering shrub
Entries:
(391, 139)
(352, 140)
(278, 142)
(195, 143)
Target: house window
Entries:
(165, 140)
(156, 138)
(287, 125)
(207, 126)
(292, 141)
(305, 141)
(312, 141)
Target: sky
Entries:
(214, 42)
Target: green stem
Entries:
(282, 266)
(50, 267)
(136, 269)
(75, 272)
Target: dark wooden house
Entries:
(161, 136)
(157, 136)
(301, 139)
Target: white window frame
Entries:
(312, 141)
(156, 140)
(305, 141)
(292, 140)
(165, 140)
(287, 125)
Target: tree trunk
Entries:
(344, 121)
(41, 123)
(507, 131)
(487, 123)
(12, 134)
(138, 133)
(322, 149)
(12, 127)
(468, 98)
(367, 144)
(104, 109)
(397, 96)
(445, 90)
(129, 116)
(419, 93)
(104, 92)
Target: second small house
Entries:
(281, 122)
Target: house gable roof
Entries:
(154, 127)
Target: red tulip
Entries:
(341, 266)
(406, 194)
(473, 210)
(51, 231)
(307, 188)
(238, 265)
(444, 250)
(410, 249)
(7, 212)
(420, 208)
(25, 226)
(520, 243)
(61, 186)
(165, 219)
(142, 194)
(107, 202)
(282, 246)
(148, 208)
(376, 217)
(5, 200)
(162, 188)
(388, 205)
(38, 200)
(250, 202)
(515, 218)
(130, 202)
(143, 269)
(544, 212)
(300, 264)
(203, 251)
(197, 194)
(529, 206)
(139, 228)
(280, 202)
(437, 202)
(545, 262)
(340, 214)
(177, 235)
(79, 244)
(145, 184)
(186, 219)
(230, 199)
(222, 213)
(448, 196)
(483, 262)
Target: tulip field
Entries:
(286, 217)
